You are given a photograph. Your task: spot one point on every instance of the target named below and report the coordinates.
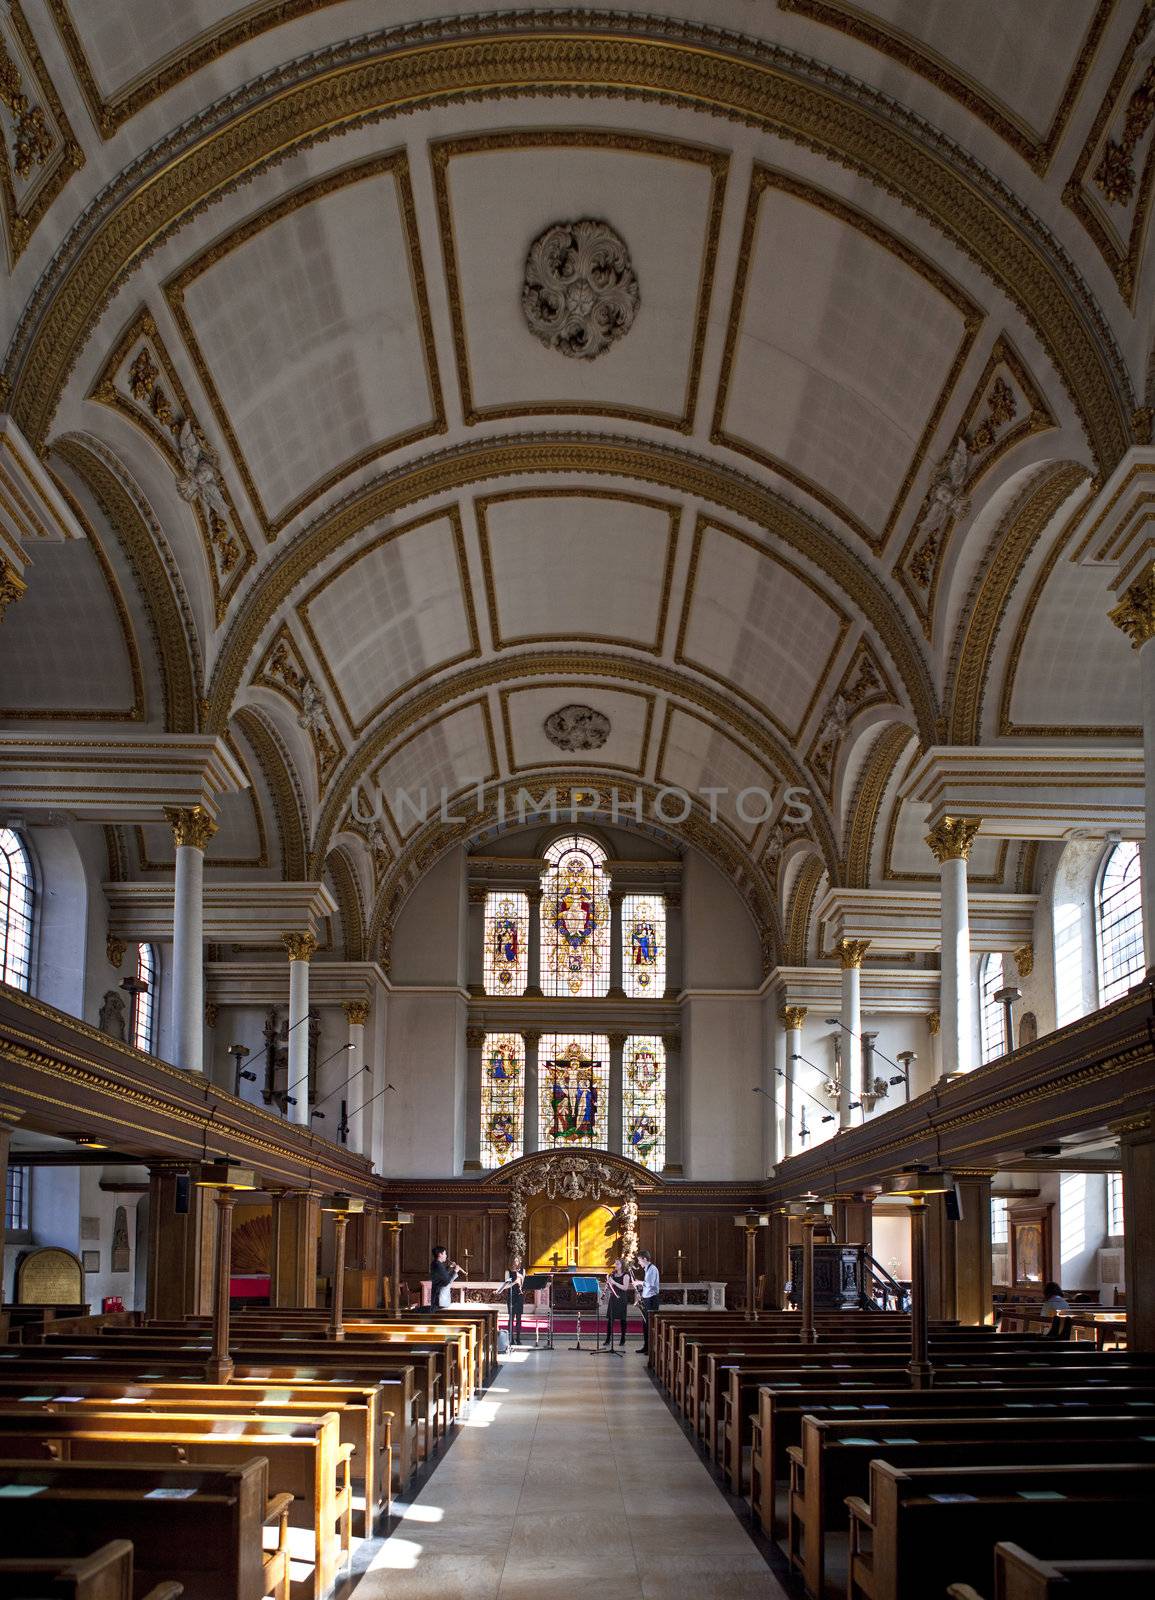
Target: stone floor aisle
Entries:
(569, 1478)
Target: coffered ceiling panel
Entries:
(577, 564)
(498, 193)
(120, 42)
(310, 330)
(442, 758)
(695, 755)
(758, 624)
(624, 742)
(1075, 669)
(842, 349)
(392, 613)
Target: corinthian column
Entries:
(1135, 614)
(356, 1015)
(950, 841)
(850, 953)
(192, 828)
(792, 1018)
(301, 947)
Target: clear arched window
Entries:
(143, 1032)
(575, 920)
(506, 964)
(573, 1091)
(644, 946)
(644, 1101)
(1119, 922)
(502, 1098)
(15, 911)
(992, 1017)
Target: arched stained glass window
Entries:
(1119, 922)
(502, 1098)
(644, 946)
(992, 1017)
(506, 943)
(15, 911)
(644, 1101)
(575, 920)
(573, 1090)
(144, 1000)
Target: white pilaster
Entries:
(792, 1018)
(192, 828)
(850, 953)
(950, 841)
(356, 1088)
(300, 947)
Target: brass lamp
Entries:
(394, 1219)
(343, 1206)
(751, 1221)
(228, 1178)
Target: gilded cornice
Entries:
(401, 71)
(798, 911)
(45, 153)
(866, 803)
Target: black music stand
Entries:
(601, 1349)
(533, 1282)
(583, 1283)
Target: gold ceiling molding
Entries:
(673, 515)
(179, 670)
(44, 152)
(1036, 148)
(281, 779)
(571, 455)
(717, 162)
(863, 687)
(1104, 180)
(1007, 406)
(1027, 730)
(110, 112)
(137, 711)
(1025, 884)
(799, 909)
(762, 180)
(866, 803)
(450, 513)
(706, 524)
(347, 891)
(1011, 545)
(396, 165)
(133, 383)
(762, 88)
(282, 669)
(578, 686)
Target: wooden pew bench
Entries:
(1021, 1576)
(306, 1460)
(104, 1575)
(200, 1526)
(926, 1527)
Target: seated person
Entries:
(1053, 1299)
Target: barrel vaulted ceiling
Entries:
(811, 512)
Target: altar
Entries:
(704, 1296)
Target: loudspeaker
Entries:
(954, 1205)
(181, 1192)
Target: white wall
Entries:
(722, 1056)
(720, 947)
(424, 1120)
(429, 944)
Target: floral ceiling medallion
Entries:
(577, 728)
(580, 292)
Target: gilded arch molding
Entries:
(522, 54)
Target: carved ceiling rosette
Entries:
(580, 293)
(577, 728)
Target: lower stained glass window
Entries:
(573, 1091)
(644, 1101)
(502, 1098)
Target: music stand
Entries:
(582, 1284)
(533, 1282)
(599, 1348)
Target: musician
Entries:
(515, 1284)
(651, 1296)
(619, 1284)
(443, 1274)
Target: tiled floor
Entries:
(569, 1478)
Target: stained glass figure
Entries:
(575, 920)
(574, 1083)
(506, 943)
(644, 946)
(644, 1101)
(502, 1098)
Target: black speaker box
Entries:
(181, 1194)
(954, 1205)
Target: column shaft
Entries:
(357, 1090)
(850, 953)
(219, 1367)
(475, 940)
(533, 961)
(529, 1109)
(181, 1227)
(1147, 852)
(673, 944)
(616, 991)
(300, 947)
(615, 1120)
(675, 1107)
(474, 1039)
(1137, 1144)
(951, 841)
(793, 1017)
(296, 1230)
(192, 828)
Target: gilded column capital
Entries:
(531, 1037)
(672, 1041)
(476, 893)
(474, 1038)
(617, 1041)
(952, 837)
(1135, 613)
(1025, 960)
(356, 1012)
(301, 946)
(12, 585)
(191, 825)
(792, 1016)
(933, 1022)
(115, 949)
(850, 952)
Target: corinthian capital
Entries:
(191, 825)
(951, 839)
(301, 946)
(792, 1016)
(850, 952)
(356, 1013)
(12, 585)
(1135, 613)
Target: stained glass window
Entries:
(573, 1090)
(644, 946)
(144, 1001)
(502, 1098)
(506, 943)
(1120, 922)
(575, 920)
(644, 1101)
(15, 911)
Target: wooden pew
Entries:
(104, 1575)
(362, 1423)
(201, 1526)
(926, 1527)
(306, 1459)
(1021, 1576)
(778, 1424)
(833, 1462)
